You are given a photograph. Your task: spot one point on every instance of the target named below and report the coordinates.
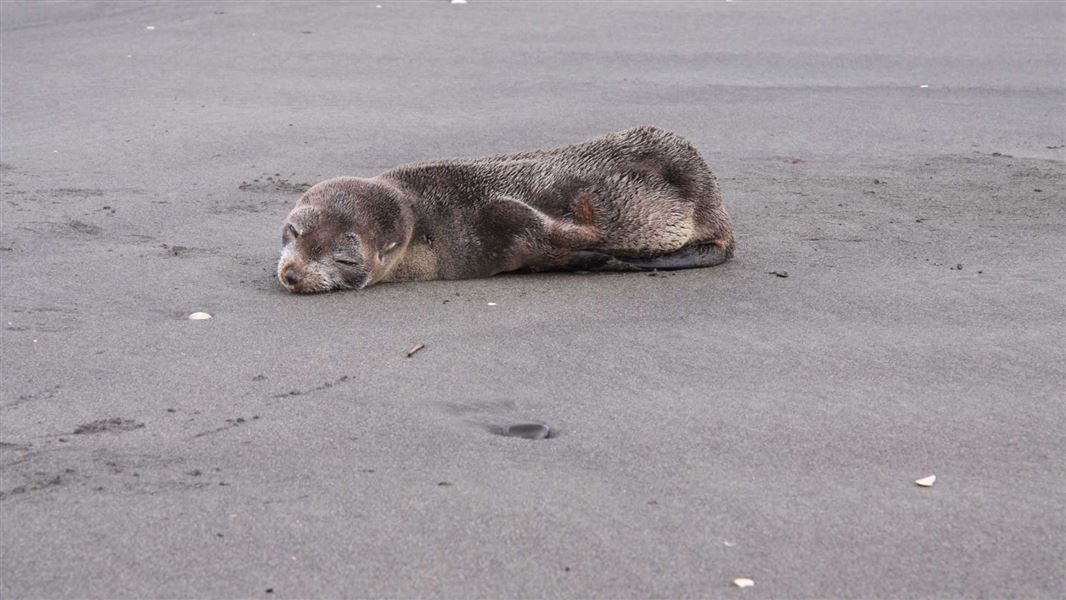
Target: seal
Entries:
(638, 199)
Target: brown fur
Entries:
(628, 198)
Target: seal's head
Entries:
(344, 233)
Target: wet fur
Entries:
(636, 199)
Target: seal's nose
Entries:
(291, 278)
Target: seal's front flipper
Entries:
(691, 257)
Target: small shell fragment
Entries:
(926, 481)
(458, 1)
(743, 582)
(199, 316)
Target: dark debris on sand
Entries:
(113, 425)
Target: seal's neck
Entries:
(415, 260)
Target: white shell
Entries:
(926, 481)
(743, 582)
(199, 316)
(458, 1)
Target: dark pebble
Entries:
(529, 431)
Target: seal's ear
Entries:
(300, 220)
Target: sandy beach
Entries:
(902, 163)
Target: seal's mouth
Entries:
(315, 278)
(303, 280)
(304, 290)
(303, 286)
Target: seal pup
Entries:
(638, 199)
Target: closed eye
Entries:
(292, 231)
(345, 261)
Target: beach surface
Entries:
(902, 163)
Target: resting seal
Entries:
(633, 200)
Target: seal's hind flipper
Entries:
(596, 261)
(691, 257)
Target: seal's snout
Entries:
(292, 278)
